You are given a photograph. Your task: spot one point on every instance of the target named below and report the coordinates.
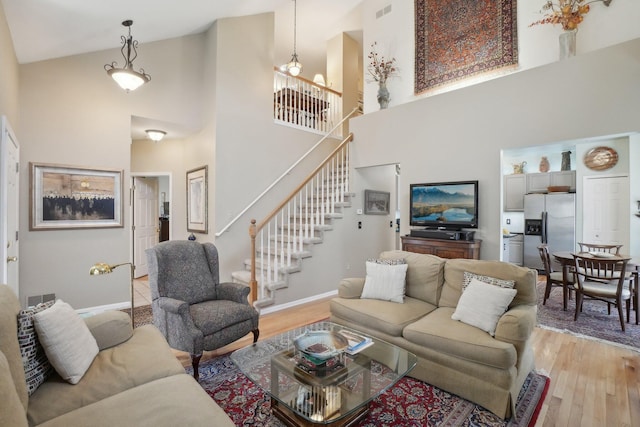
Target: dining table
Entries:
(566, 260)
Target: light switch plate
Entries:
(359, 211)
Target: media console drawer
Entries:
(469, 249)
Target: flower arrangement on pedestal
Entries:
(568, 13)
(381, 69)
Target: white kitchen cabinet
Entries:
(514, 191)
(516, 249)
(505, 249)
(539, 182)
(564, 178)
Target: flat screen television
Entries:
(444, 205)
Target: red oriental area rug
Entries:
(410, 403)
(456, 39)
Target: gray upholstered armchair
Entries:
(194, 311)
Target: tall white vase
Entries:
(567, 44)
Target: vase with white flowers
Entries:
(381, 69)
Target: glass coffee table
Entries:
(327, 390)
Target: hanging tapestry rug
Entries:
(456, 39)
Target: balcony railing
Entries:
(301, 103)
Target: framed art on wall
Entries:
(197, 200)
(67, 197)
(376, 202)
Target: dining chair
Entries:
(554, 278)
(596, 247)
(602, 279)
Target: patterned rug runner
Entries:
(410, 403)
(593, 322)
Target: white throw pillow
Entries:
(481, 305)
(385, 282)
(66, 340)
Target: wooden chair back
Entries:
(596, 247)
(546, 260)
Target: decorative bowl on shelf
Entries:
(322, 345)
(558, 189)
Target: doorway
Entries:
(150, 215)
(606, 210)
(9, 207)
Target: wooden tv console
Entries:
(469, 249)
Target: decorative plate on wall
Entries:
(601, 158)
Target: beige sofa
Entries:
(135, 380)
(452, 355)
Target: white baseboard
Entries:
(280, 307)
(90, 311)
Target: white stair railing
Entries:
(278, 241)
(301, 103)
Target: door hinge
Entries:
(16, 235)
(17, 167)
(133, 228)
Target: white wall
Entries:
(459, 135)
(9, 73)
(74, 114)
(250, 150)
(538, 45)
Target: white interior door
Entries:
(606, 210)
(145, 221)
(9, 208)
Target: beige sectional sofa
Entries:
(452, 355)
(135, 380)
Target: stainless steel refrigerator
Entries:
(550, 219)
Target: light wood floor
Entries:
(592, 383)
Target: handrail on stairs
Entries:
(255, 227)
(284, 174)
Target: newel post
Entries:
(253, 284)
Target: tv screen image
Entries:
(452, 205)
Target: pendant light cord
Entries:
(295, 14)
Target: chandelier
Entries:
(127, 77)
(294, 67)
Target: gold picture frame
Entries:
(197, 218)
(72, 197)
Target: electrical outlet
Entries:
(359, 225)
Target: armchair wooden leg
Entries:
(256, 334)
(195, 362)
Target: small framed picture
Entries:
(376, 202)
(66, 197)
(197, 200)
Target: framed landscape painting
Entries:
(376, 202)
(67, 197)
(197, 200)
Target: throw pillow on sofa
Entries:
(385, 280)
(466, 279)
(481, 305)
(36, 365)
(66, 340)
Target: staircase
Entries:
(283, 241)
